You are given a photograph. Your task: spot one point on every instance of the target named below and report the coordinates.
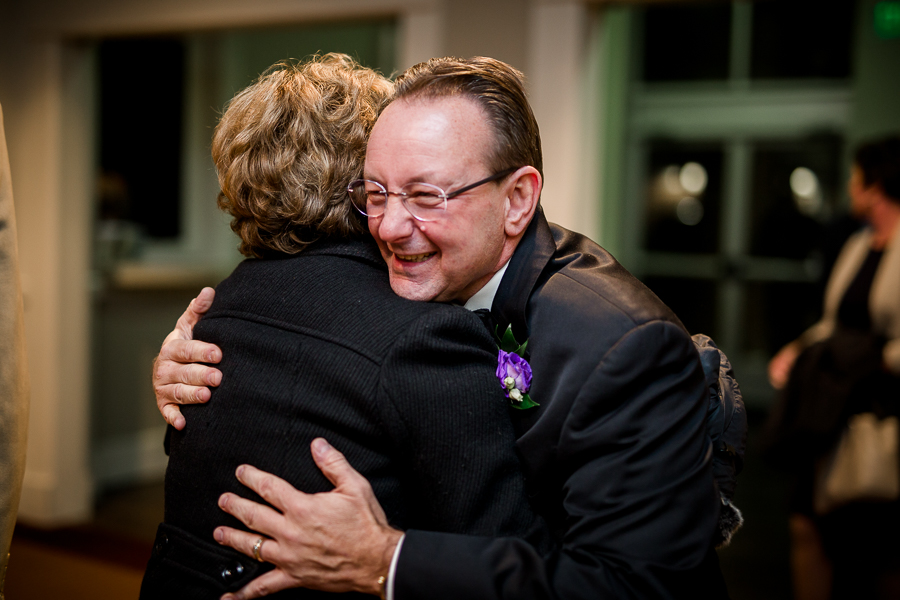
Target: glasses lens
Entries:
(426, 202)
(368, 197)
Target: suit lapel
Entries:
(529, 259)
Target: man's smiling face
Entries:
(444, 141)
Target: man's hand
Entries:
(337, 541)
(176, 377)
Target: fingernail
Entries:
(223, 500)
(215, 378)
(219, 534)
(239, 471)
(320, 446)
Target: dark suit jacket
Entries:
(319, 345)
(616, 456)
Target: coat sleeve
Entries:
(848, 262)
(455, 436)
(13, 373)
(887, 300)
(892, 355)
(635, 485)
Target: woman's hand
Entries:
(781, 364)
(177, 379)
(337, 541)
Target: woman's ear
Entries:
(524, 192)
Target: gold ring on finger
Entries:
(257, 548)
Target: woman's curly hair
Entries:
(288, 146)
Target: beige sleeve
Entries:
(816, 333)
(892, 356)
(845, 269)
(13, 372)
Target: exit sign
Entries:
(887, 20)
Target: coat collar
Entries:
(531, 256)
(363, 248)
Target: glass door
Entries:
(736, 170)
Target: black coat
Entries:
(319, 345)
(616, 456)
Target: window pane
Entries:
(141, 89)
(686, 42)
(802, 38)
(795, 189)
(777, 312)
(683, 198)
(693, 300)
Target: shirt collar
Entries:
(484, 297)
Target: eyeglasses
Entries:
(425, 202)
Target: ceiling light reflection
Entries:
(689, 211)
(671, 181)
(807, 191)
(693, 178)
(804, 182)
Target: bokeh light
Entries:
(689, 211)
(693, 178)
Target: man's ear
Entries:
(524, 191)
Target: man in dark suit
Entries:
(616, 455)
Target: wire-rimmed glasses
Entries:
(424, 201)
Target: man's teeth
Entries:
(414, 257)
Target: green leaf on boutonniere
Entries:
(526, 403)
(508, 343)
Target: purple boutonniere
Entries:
(513, 371)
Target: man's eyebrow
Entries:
(371, 177)
(426, 177)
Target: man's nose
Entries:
(396, 222)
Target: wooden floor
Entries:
(38, 571)
(103, 560)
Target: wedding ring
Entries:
(256, 549)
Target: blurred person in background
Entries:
(13, 372)
(844, 366)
